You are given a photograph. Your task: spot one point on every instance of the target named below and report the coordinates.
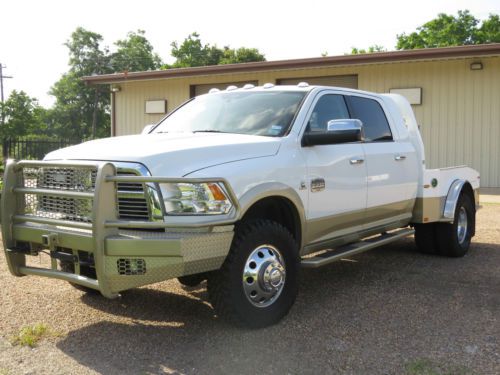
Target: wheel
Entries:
(258, 282)
(192, 280)
(425, 238)
(454, 239)
(70, 268)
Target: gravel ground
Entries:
(389, 311)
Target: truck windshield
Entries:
(255, 113)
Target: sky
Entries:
(32, 33)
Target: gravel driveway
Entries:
(389, 311)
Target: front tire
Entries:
(192, 281)
(454, 239)
(258, 282)
(70, 268)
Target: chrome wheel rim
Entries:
(264, 276)
(462, 225)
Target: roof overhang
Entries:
(317, 62)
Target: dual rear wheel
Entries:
(449, 239)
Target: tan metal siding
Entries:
(205, 88)
(459, 115)
(350, 81)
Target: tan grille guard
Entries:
(105, 222)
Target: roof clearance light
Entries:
(248, 86)
(231, 88)
(268, 85)
(213, 90)
(303, 84)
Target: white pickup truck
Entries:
(240, 187)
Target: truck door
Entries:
(336, 176)
(389, 164)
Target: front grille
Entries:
(133, 208)
(68, 179)
(129, 186)
(81, 179)
(132, 202)
(58, 178)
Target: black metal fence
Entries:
(32, 148)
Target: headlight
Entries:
(207, 198)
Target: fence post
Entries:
(5, 150)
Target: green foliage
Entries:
(85, 54)
(21, 115)
(427, 367)
(192, 52)
(134, 54)
(76, 105)
(241, 55)
(371, 49)
(448, 30)
(489, 32)
(30, 335)
(81, 111)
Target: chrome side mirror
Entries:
(350, 129)
(338, 131)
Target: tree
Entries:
(489, 32)
(191, 52)
(82, 111)
(448, 30)
(79, 109)
(134, 54)
(21, 114)
(371, 49)
(241, 55)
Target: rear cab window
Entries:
(370, 112)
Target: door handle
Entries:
(399, 157)
(356, 160)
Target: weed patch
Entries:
(31, 335)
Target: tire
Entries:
(192, 280)
(70, 268)
(454, 239)
(258, 282)
(425, 238)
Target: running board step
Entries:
(354, 248)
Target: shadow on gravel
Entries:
(371, 314)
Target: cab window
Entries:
(328, 107)
(375, 124)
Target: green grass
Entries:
(427, 367)
(4, 371)
(31, 335)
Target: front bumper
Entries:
(124, 254)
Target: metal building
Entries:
(454, 91)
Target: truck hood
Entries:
(172, 155)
